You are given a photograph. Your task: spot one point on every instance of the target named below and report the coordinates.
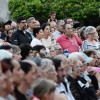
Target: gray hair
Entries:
(43, 86)
(45, 62)
(60, 21)
(75, 55)
(55, 45)
(15, 49)
(88, 29)
(29, 20)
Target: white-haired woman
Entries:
(90, 42)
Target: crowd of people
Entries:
(52, 61)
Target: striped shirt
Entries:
(87, 45)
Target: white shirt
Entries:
(35, 42)
(60, 88)
(47, 42)
(56, 34)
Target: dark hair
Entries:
(2, 27)
(19, 19)
(26, 67)
(57, 63)
(5, 47)
(81, 32)
(52, 12)
(36, 30)
(66, 19)
(38, 47)
(44, 25)
(9, 30)
(6, 64)
(89, 52)
(25, 49)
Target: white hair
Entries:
(88, 29)
(75, 55)
(45, 62)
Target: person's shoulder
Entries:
(61, 96)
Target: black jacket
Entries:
(18, 37)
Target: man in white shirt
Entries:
(59, 30)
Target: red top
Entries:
(71, 44)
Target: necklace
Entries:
(71, 41)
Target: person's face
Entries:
(98, 60)
(18, 73)
(51, 96)
(91, 35)
(53, 16)
(43, 50)
(60, 27)
(9, 82)
(30, 54)
(68, 30)
(32, 24)
(59, 50)
(17, 56)
(2, 81)
(77, 69)
(53, 25)
(47, 30)
(70, 21)
(68, 67)
(22, 25)
(37, 24)
(40, 34)
(51, 73)
(7, 27)
(32, 74)
(61, 74)
(52, 52)
(10, 32)
(52, 30)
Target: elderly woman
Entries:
(43, 89)
(90, 42)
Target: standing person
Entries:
(20, 35)
(90, 42)
(59, 30)
(31, 25)
(69, 21)
(52, 17)
(68, 40)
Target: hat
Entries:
(8, 22)
(87, 59)
(4, 54)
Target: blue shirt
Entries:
(3, 35)
(30, 33)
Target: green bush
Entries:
(77, 9)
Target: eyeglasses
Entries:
(52, 51)
(59, 49)
(62, 70)
(93, 33)
(23, 22)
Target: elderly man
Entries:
(68, 40)
(59, 30)
(31, 25)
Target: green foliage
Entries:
(77, 9)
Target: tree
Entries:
(82, 10)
